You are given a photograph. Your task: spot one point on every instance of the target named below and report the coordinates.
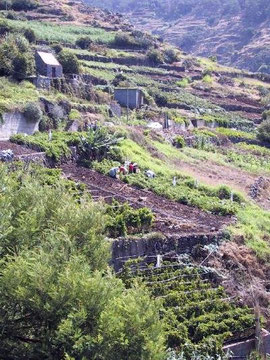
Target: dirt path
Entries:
(171, 217)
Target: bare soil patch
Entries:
(171, 217)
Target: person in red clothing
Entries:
(131, 168)
(122, 170)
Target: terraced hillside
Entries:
(203, 131)
(235, 31)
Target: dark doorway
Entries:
(53, 72)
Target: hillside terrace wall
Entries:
(124, 249)
(242, 349)
(15, 123)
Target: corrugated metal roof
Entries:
(48, 58)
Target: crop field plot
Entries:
(194, 310)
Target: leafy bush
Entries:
(264, 132)
(124, 220)
(84, 42)
(155, 56)
(69, 62)
(123, 39)
(16, 57)
(24, 5)
(57, 48)
(4, 27)
(55, 278)
(32, 112)
(97, 144)
(30, 35)
(179, 142)
(20, 67)
(170, 56)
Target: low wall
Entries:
(242, 349)
(123, 249)
(15, 123)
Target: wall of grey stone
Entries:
(15, 123)
(152, 245)
(242, 349)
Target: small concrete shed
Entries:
(47, 65)
(127, 97)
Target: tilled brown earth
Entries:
(18, 150)
(171, 217)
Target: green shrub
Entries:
(24, 5)
(4, 27)
(170, 56)
(264, 132)
(179, 141)
(57, 48)
(84, 42)
(123, 39)
(16, 57)
(124, 220)
(155, 56)
(30, 35)
(20, 67)
(69, 62)
(183, 83)
(32, 112)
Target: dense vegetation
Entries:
(197, 316)
(58, 298)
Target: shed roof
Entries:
(127, 89)
(48, 58)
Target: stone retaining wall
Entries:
(15, 123)
(156, 244)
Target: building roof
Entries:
(48, 58)
(125, 89)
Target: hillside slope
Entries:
(237, 32)
(196, 231)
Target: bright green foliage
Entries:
(16, 58)
(179, 141)
(197, 315)
(236, 134)
(97, 144)
(63, 33)
(32, 112)
(57, 300)
(69, 62)
(124, 220)
(129, 315)
(57, 148)
(14, 95)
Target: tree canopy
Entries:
(58, 298)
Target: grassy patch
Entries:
(187, 191)
(63, 33)
(57, 148)
(254, 226)
(13, 96)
